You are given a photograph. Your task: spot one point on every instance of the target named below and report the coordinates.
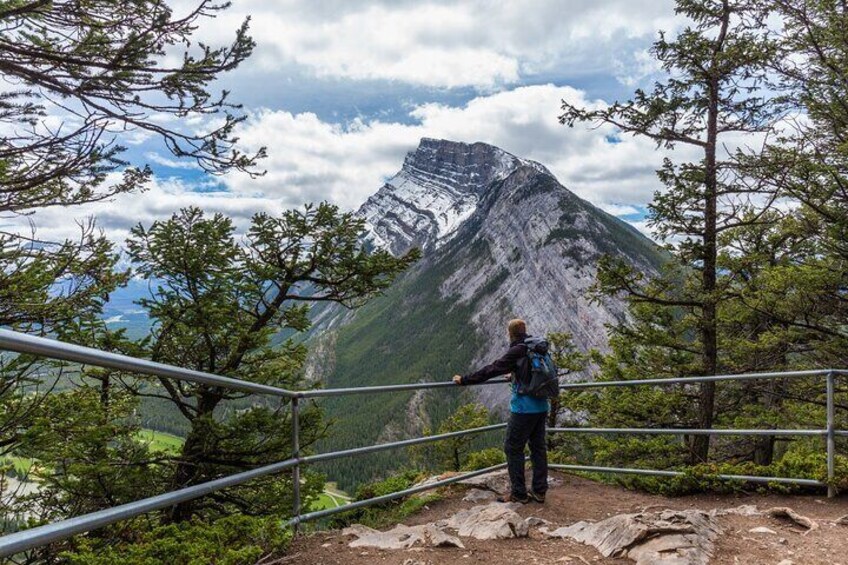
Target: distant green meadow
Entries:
(21, 465)
(158, 441)
(332, 497)
(161, 441)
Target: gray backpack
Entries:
(537, 375)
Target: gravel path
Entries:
(580, 499)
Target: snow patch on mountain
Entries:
(436, 190)
(444, 206)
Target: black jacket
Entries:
(511, 362)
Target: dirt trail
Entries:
(580, 499)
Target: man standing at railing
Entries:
(528, 413)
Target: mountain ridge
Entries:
(435, 191)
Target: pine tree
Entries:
(81, 75)
(217, 302)
(99, 68)
(712, 92)
(808, 164)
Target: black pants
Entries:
(521, 430)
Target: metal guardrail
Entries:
(42, 535)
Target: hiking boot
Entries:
(513, 498)
(540, 498)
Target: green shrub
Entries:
(400, 481)
(234, 540)
(484, 458)
(801, 462)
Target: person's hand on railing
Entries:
(457, 379)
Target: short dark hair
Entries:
(517, 328)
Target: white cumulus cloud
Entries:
(477, 43)
(311, 160)
(116, 216)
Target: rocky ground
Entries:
(618, 526)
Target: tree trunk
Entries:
(709, 330)
(706, 401)
(764, 450)
(105, 392)
(189, 470)
(706, 404)
(105, 386)
(764, 445)
(771, 400)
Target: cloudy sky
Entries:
(339, 91)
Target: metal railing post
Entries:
(831, 440)
(296, 455)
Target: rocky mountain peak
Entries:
(502, 238)
(436, 190)
(463, 167)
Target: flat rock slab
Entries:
(670, 537)
(479, 495)
(401, 537)
(496, 481)
(486, 522)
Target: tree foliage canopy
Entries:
(86, 73)
(756, 231)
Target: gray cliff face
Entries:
(530, 251)
(520, 244)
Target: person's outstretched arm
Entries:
(502, 366)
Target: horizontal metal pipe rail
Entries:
(325, 392)
(34, 537)
(395, 444)
(57, 531)
(706, 379)
(53, 349)
(690, 431)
